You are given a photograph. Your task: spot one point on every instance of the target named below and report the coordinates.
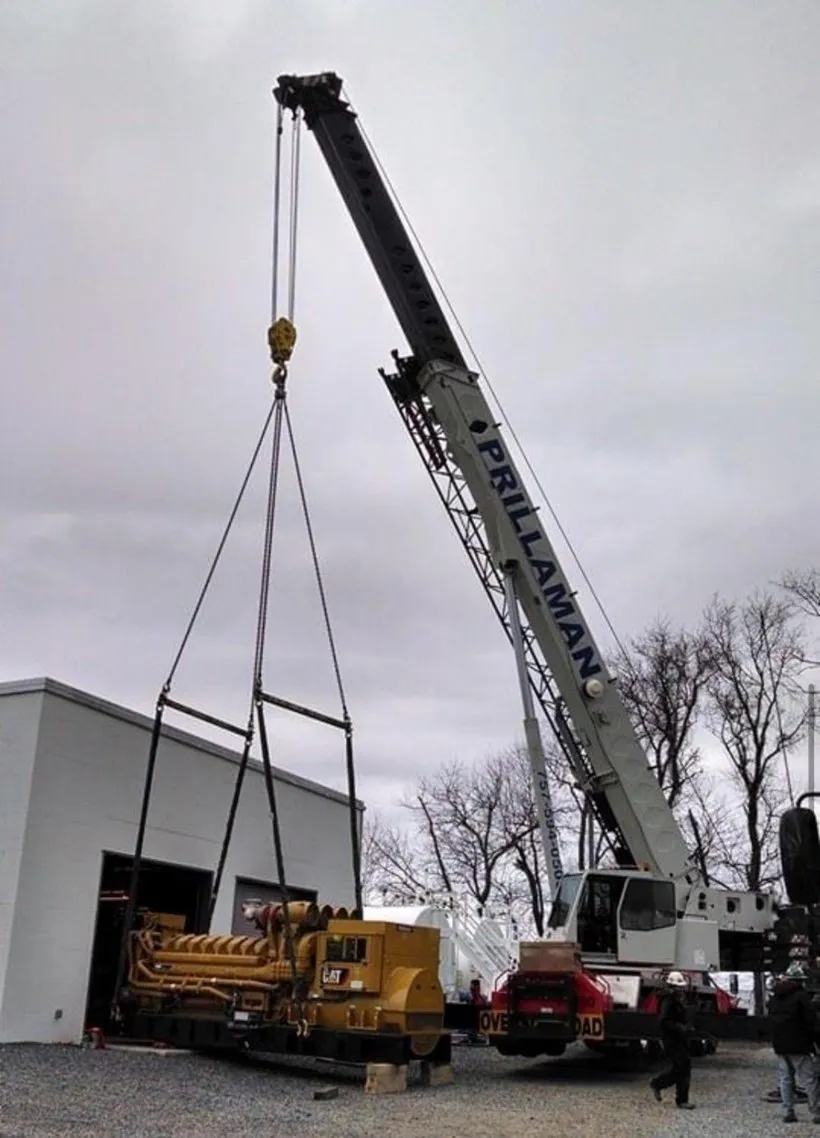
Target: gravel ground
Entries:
(71, 1092)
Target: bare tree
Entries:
(397, 866)
(472, 817)
(518, 877)
(472, 829)
(527, 860)
(803, 586)
(803, 590)
(662, 676)
(757, 653)
(711, 829)
(520, 824)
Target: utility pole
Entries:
(811, 718)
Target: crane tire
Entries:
(800, 855)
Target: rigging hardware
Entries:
(282, 338)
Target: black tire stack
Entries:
(795, 936)
(800, 856)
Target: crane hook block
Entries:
(281, 340)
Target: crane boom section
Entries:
(373, 212)
(618, 771)
(591, 696)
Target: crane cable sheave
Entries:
(281, 341)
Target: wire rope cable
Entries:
(219, 551)
(775, 685)
(294, 210)
(267, 543)
(277, 201)
(334, 655)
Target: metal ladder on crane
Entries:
(489, 952)
(451, 486)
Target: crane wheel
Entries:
(800, 855)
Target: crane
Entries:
(653, 910)
(328, 982)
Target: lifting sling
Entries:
(281, 342)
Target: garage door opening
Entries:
(178, 892)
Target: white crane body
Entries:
(653, 910)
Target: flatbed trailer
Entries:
(613, 1027)
(216, 1034)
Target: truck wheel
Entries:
(800, 855)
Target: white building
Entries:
(72, 770)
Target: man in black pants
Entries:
(674, 1030)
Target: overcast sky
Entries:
(623, 201)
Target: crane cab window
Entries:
(598, 914)
(349, 949)
(564, 900)
(648, 905)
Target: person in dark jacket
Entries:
(794, 1030)
(674, 1029)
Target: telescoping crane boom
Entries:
(442, 399)
(654, 910)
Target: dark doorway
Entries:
(178, 892)
(248, 889)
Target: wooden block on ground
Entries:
(385, 1079)
(322, 1093)
(436, 1074)
(141, 1049)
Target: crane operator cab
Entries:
(616, 916)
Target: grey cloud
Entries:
(622, 204)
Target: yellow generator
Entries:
(310, 981)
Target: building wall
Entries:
(19, 721)
(85, 798)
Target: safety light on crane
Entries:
(593, 689)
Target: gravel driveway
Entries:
(69, 1092)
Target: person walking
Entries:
(795, 1029)
(674, 1030)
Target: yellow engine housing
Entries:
(339, 974)
(375, 976)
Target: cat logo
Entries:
(333, 975)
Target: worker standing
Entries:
(479, 1000)
(674, 1030)
(794, 1031)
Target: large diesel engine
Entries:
(310, 980)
